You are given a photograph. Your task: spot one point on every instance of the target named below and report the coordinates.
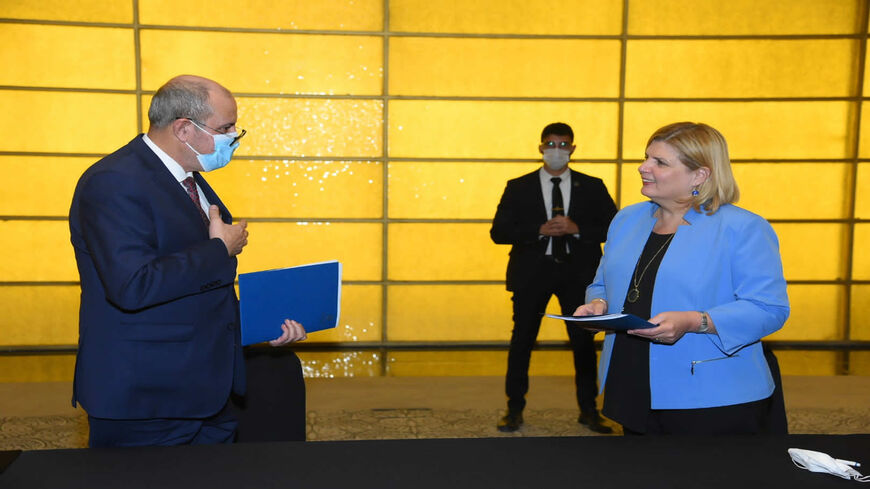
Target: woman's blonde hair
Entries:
(699, 145)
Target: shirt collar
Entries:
(545, 176)
(177, 171)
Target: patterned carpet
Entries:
(51, 432)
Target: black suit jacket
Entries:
(521, 213)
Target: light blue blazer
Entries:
(728, 265)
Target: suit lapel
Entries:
(575, 193)
(534, 181)
(164, 180)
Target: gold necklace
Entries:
(633, 292)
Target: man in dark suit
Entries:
(552, 252)
(159, 341)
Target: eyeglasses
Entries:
(235, 139)
(560, 144)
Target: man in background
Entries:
(159, 340)
(555, 220)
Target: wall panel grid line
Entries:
(621, 101)
(460, 35)
(448, 98)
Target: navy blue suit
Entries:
(159, 318)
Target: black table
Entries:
(600, 462)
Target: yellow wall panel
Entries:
(812, 251)
(66, 10)
(360, 318)
(99, 57)
(469, 363)
(39, 185)
(774, 190)
(39, 315)
(464, 190)
(459, 313)
(309, 127)
(741, 68)
(327, 365)
(38, 368)
(279, 245)
(861, 259)
(462, 251)
(557, 17)
(860, 312)
(448, 313)
(66, 122)
(266, 63)
(864, 141)
(816, 313)
(472, 129)
(440, 190)
(301, 189)
(36, 251)
(755, 130)
(792, 190)
(796, 362)
(306, 127)
(743, 17)
(265, 14)
(504, 67)
(859, 363)
(862, 189)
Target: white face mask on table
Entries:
(822, 462)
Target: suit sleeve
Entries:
(119, 229)
(508, 225)
(596, 212)
(760, 306)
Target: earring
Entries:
(695, 192)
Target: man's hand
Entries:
(234, 236)
(293, 332)
(559, 226)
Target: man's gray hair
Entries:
(179, 98)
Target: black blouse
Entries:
(627, 393)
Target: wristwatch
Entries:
(704, 324)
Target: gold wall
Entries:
(381, 133)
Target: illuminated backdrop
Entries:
(381, 133)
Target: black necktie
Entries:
(559, 251)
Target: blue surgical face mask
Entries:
(222, 153)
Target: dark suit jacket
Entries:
(521, 213)
(159, 318)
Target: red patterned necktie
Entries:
(190, 184)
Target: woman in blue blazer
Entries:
(709, 275)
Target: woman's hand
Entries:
(595, 308)
(671, 326)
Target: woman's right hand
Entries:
(594, 308)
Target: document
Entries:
(308, 294)
(615, 322)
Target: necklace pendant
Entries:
(633, 294)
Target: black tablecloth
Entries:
(600, 462)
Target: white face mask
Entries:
(556, 158)
(822, 462)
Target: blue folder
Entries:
(308, 294)
(615, 322)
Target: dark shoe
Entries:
(595, 423)
(510, 422)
